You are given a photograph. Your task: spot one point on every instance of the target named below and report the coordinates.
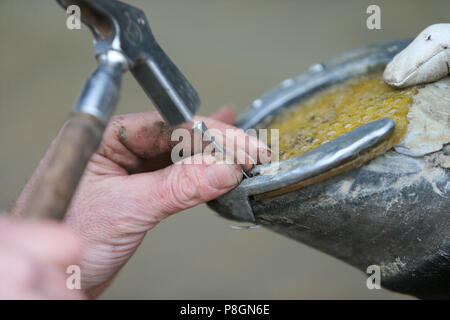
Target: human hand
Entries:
(130, 185)
(33, 263)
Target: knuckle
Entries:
(115, 123)
(186, 190)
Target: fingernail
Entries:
(223, 176)
(265, 155)
(249, 162)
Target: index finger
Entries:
(142, 141)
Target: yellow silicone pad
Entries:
(338, 109)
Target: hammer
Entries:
(122, 41)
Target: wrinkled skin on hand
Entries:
(33, 264)
(426, 59)
(130, 185)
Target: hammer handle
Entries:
(79, 139)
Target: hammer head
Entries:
(124, 28)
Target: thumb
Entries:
(183, 185)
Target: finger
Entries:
(53, 285)
(16, 273)
(49, 243)
(235, 149)
(129, 140)
(142, 141)
(22, 277)
(232, 138)
(248, 147)
(186, 184)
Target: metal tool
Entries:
(122, 41)
(201, 128)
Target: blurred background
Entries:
(232, 51)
